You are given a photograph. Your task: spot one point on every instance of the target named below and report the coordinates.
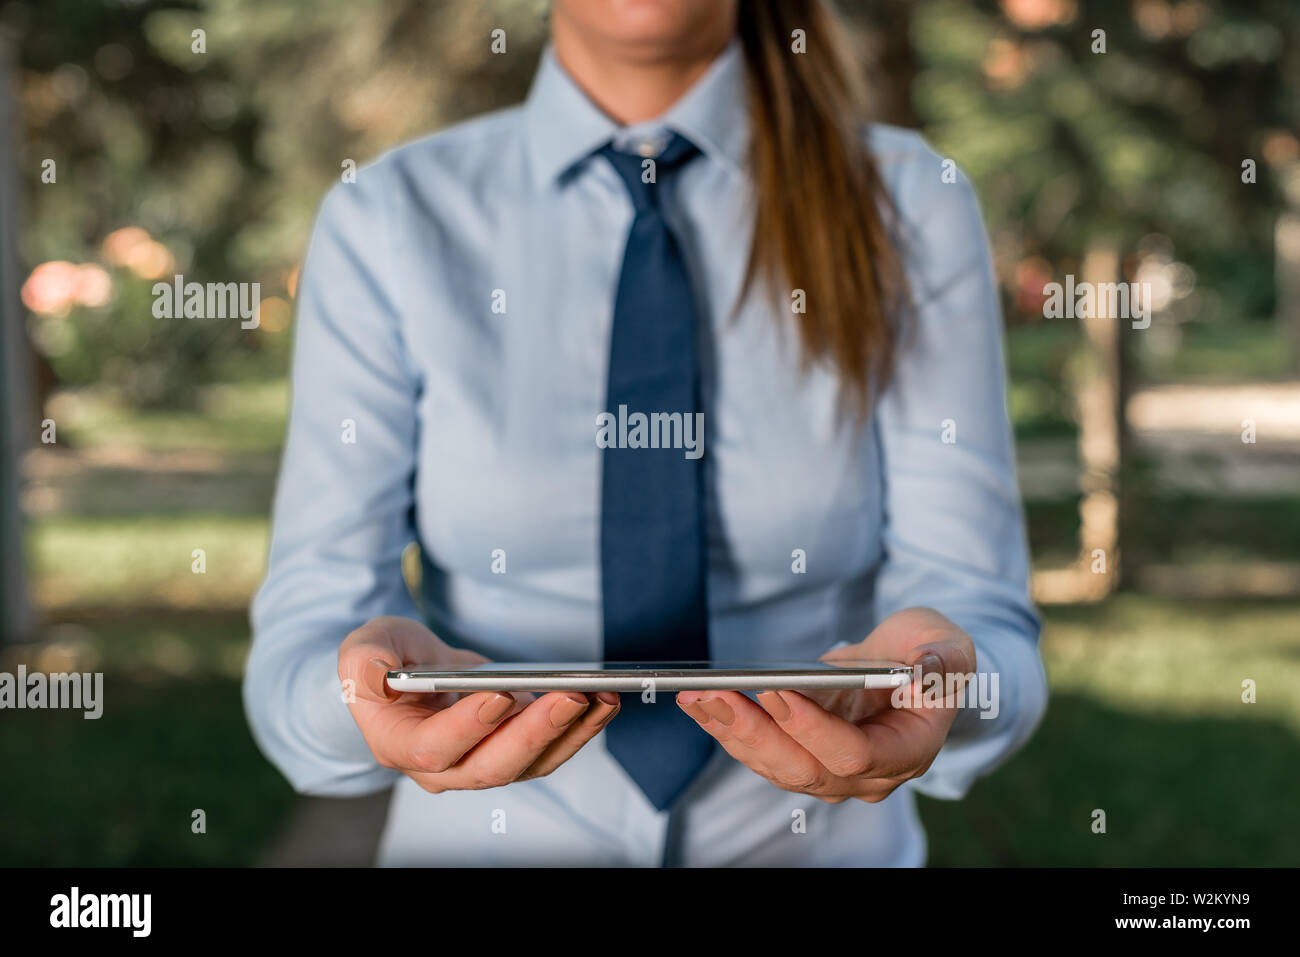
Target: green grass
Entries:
(249, 416)
(1042, 349)
(1185, 529)
(1039, 355)
(1040, 409)
(1224, 352)
(121, 790)
(243, 417)
(1147, 724)
(1146, 720)
(1038, 400)
(146, 560)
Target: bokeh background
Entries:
(1129, 164)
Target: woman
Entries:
(685, 216)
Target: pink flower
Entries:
(51, 289)
(54, 287)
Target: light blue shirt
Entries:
(449, 367)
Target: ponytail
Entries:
(821, 205)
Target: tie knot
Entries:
(642, 174)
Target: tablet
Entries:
(637, 676)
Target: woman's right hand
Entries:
(450, 741)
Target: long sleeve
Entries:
(954, 537)
(343, 507)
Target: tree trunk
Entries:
(1287, 255)
(17, 420)
(1101, 396)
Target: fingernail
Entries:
(612, 703)
(720, 710)
(564, 711)
(774, 705)
(495, 708)
(929, 664)
(609, 716)
(374, 676)
(693, 710)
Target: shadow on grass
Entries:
(1175, 790)
(122, 790)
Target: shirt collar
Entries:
(564, 126)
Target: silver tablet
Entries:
(668, 676)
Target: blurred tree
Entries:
(221, 154)
(219, 150)
(345, 82)
(214, 127)
(17, 423)
(118, 136)
(1141, 145)
(1116, 140)
(335, 82)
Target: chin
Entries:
(647, 25)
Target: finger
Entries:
(842, 747)
(365, 664)
(952, 659)
(750, 736)
(875, 790)
(855, 704)
(509, 752)
(852, 704)
(912, 634)
(601, 711)
(388, 643)
(409, 738)
(899, 635)
(904, 741)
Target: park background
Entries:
(1129, 163)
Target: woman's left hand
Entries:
(846, 744)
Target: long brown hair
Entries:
(823, 222)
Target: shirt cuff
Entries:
(999, 713)
(344, 765)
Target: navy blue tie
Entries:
(652, 535)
